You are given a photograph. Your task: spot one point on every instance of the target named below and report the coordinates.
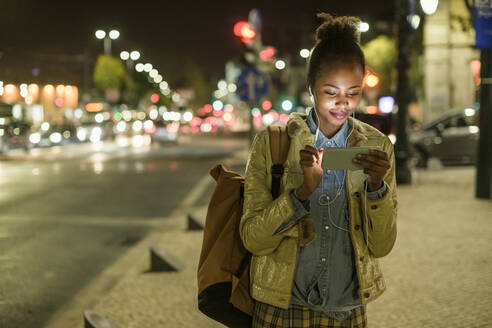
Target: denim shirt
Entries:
(326, 278)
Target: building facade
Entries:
(449, 41)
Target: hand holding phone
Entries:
(376, 164)
(342, 158)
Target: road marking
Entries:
(69, 315)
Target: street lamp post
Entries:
(107, 37)
(484, 158)
(482, 22)
(130, 58)
(402, 149)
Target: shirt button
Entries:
(374, 207)
(323, 290)
(357, 227)
(323, 259)
(327, 227)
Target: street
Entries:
(67, 215)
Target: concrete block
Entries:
(94, 320)
(162, 261)
(194, 223)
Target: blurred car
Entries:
(165, 132)
(14, 135)
(453, 138)
(53, 135)
(95, 132)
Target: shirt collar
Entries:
(338, 140)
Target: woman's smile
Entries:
(339, 115)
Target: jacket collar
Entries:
(297, 127)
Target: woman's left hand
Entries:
(375, 165)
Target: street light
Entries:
(134, 55)
(153, 73)
(113, 35)
(402, 147)
(363, 27)
(124, 55)
(139, 67)
(280, 64)
(304, 53)
(100, 34)
(414, 21)
(429, 6)
(130, 57)
(147, 67)
(222, 84)
(163, 85)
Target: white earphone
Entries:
(311, 96)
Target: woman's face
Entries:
(337, 92)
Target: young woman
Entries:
(315, 247)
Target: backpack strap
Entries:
(279, 148)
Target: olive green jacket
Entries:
(275, 253)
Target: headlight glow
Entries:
(55, 137)
(121, 126)
(82, 134)
(96, 131)
(35, 138)
(137, 126)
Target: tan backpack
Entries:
(223, 270)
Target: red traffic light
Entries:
(267, 53)
(243, 30)
(267, 105)
(154, 98)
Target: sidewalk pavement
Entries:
(439, 273)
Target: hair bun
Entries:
(336, 28)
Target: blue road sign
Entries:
(252, 85)
(482, 21)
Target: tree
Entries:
(197, 79)
(110, 75)
(380, 56)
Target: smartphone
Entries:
(341, 158)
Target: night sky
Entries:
(52, 35)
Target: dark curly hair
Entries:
(337, 38)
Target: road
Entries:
(68, 213)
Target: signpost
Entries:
(252, 84)
(482, 21)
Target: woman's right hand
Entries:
(310, 160)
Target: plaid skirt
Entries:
(296, 316)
